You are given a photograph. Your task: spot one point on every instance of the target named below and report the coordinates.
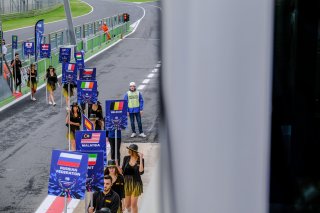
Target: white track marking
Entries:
(150, 75)
(73, 205)
(45, 205)
(141, 87)
(154, 70)
(146, 81)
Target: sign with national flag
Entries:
(91, 141)
(64, 55)
(45, 50)
(116, 115)
(28, 48)
(95, 171)
(87, 91)
(14, 42)
(88, 74)
(86, 123)
(79, 58)
(68, 173)
(69, 73)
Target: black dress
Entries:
(133, 185)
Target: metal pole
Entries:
(70, 22)
(91, 198)
(69, 115)
(45, 66)
(30, 75)
(86, 203)
(87, 110)
(15, 71)
(65, 204)
(116, 145)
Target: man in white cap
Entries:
(135, 108)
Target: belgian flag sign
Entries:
(116, 115)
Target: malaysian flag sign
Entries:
(68, 173)
(91, 141)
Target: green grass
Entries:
(139, 0)
(78, 8)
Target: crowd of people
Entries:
(122, 185)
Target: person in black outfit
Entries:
(32, 80)
(75, 123)
(112, 141)
(132, 169)
(117, 180)
(52, 80)
(105, 199)
(16, 66)
(95, 111)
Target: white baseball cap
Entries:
(132, 84)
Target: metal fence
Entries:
(23, 6)
(89, 37)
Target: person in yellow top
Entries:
(135, 108)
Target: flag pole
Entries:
(69, 115)
(15, 72)
(86, 203)
(30, 75)
(91, 198)
(116, 144)
(65, 203)
(45, 66)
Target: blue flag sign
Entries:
(28, 48)
(69, 73)
(14, 42)
(38, 34)
(87, 91)
(68, 174)
(45, 51)
(79, 58)
(116, 115)
(95, 171)
(92, 141)
(88, 74)
(64, 55)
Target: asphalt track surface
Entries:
(31, 130)
(102, 9)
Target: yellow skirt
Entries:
(71, 135)
(65, 92)
(51, 88)
(132, 187)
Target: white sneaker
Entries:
(133, 135)
(50, 102)
(67, 108)
(142, 135)
(54, 103)
(34, 99)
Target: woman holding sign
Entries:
(75, 123)
(117, 181)
(32, 80)
(132, 169)
(51, 83)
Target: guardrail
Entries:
(89, 37)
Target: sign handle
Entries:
(69, 116)
(14, 72)
(45, 66)
(30, 75)
(86, 203)
(91, 198)
(65, 204)
(116, 145)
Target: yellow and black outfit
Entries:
(33, 83)
(133, 185)
(74, 128)
(65, 90)
(51, 81)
